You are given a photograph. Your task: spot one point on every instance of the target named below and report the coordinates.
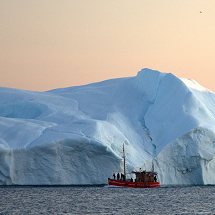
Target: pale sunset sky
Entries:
(46, 44)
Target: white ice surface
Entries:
(75, 135)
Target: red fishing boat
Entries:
(143, 179)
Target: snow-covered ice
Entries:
(75, 135)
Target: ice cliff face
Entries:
(75, 135)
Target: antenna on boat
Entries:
(124, 172)
(153, 168)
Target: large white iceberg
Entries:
(75, 135)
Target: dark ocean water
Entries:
(103, 200)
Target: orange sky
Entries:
(47, 44)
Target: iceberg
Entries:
(75, 135)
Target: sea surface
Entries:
(105, 200)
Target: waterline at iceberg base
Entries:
(74, 135)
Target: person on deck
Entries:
(122, 176)
(114, 176)
(117, 176)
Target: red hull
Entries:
(121, 183)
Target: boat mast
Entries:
(153, 168)
(124, 172)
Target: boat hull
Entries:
(121, 183)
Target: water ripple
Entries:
(102, 200)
